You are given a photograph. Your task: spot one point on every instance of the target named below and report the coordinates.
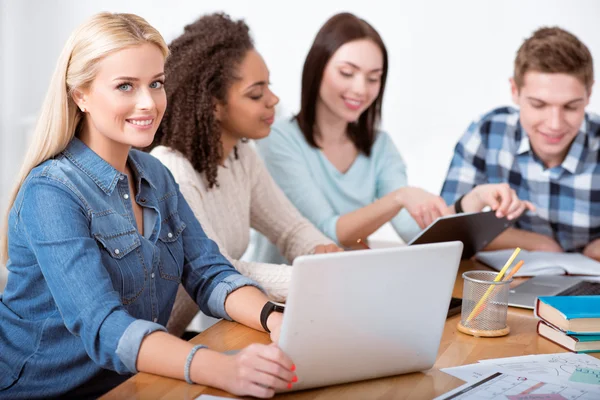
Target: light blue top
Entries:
(321, 192)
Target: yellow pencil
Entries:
(506, 278)
(497, 279)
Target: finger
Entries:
(427, 219)
(319, 249)
(262, 392)
(443, 207)
(505, 200)
(491, 199)
(270, 380)
(435, 211)
(273, 353)
(418, 217)
(517, 213)
(433, 215)
(269, 359)
(515, 204)
(530, 206)
(332, 248)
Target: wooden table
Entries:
(455, 349)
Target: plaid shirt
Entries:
(495, 149)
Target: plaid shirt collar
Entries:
(577, 152)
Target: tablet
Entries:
(475, 230)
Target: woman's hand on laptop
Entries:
(258, 370)
(500, 197)
(423, 206)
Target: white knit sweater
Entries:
(246, 197)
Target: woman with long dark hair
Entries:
(331, 160)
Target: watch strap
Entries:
(267, 309)
(458, 205)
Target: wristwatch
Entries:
(458, 205)
(268, 308)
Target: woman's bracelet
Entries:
(188, 362)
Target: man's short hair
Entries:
(554, 50)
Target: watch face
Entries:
(278, 308)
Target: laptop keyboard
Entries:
(583, 288)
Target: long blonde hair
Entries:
(77, 66)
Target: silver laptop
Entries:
(524, 295)
(369, 313)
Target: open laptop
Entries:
(475, 230)
(524, 295)
(369, 313)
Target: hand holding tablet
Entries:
(475, 230)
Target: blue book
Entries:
(574, 315)
(575, 343)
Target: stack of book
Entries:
(572, 322)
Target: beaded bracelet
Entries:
(188, 362)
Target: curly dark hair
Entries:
(199, 71)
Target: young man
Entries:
(548, 150)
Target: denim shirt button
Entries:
(152, 276)
(169, 235)
(117, 251)
(125, 196)
(155, 319)
(121, 177)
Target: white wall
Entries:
(449, 60)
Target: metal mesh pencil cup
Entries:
(484, 305)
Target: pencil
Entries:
(514, 270)
(506, 278)
(360, 241)
(497, 279)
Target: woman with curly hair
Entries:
(218, 95)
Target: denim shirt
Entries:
(84, 286)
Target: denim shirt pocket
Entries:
(170, 244)
(122, 255)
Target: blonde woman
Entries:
(99, 239)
